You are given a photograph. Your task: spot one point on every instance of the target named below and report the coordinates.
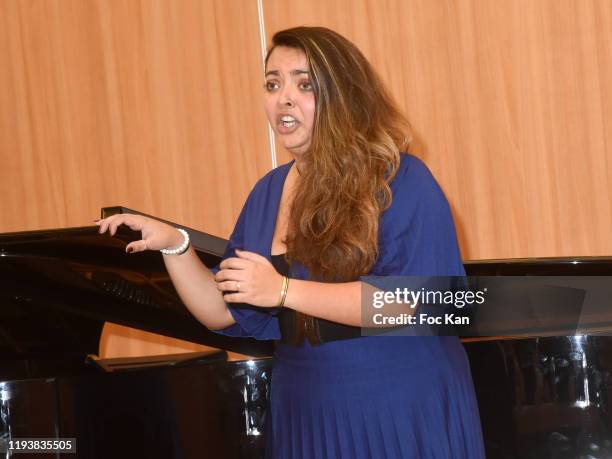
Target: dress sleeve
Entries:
(417, 235)
(251, 321)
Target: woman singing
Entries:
(350, 203)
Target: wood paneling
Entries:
(154, 105)
(512, 102)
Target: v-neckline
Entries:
(276, 206)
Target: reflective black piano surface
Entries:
(57, 288)
(538, 397)
(545, 397)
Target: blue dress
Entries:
(368, 397)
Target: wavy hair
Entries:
(354, 154)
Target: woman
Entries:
(349, 204)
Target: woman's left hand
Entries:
(251, 279)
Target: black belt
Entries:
(317, 331)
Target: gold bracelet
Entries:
(283, 294)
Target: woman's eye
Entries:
(270, 85)
(306, 86)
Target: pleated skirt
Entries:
(373, 397)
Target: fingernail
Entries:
(97, 221)
(129, 249)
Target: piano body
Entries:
(57, 288)
(539, 397)
(547, 397)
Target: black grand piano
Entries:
(539, 397)
(57, 289)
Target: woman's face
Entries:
(290, 100)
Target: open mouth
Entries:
(287, 121)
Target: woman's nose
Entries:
(286, 96)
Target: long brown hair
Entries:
(357, 136)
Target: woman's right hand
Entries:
(156, 235)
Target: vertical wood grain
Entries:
(153, 105)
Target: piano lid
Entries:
(58, 287)
(552, 266)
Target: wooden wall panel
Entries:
(153, 105)
(512, 102)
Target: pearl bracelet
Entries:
(181, 248)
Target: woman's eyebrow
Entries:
(292, 73)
